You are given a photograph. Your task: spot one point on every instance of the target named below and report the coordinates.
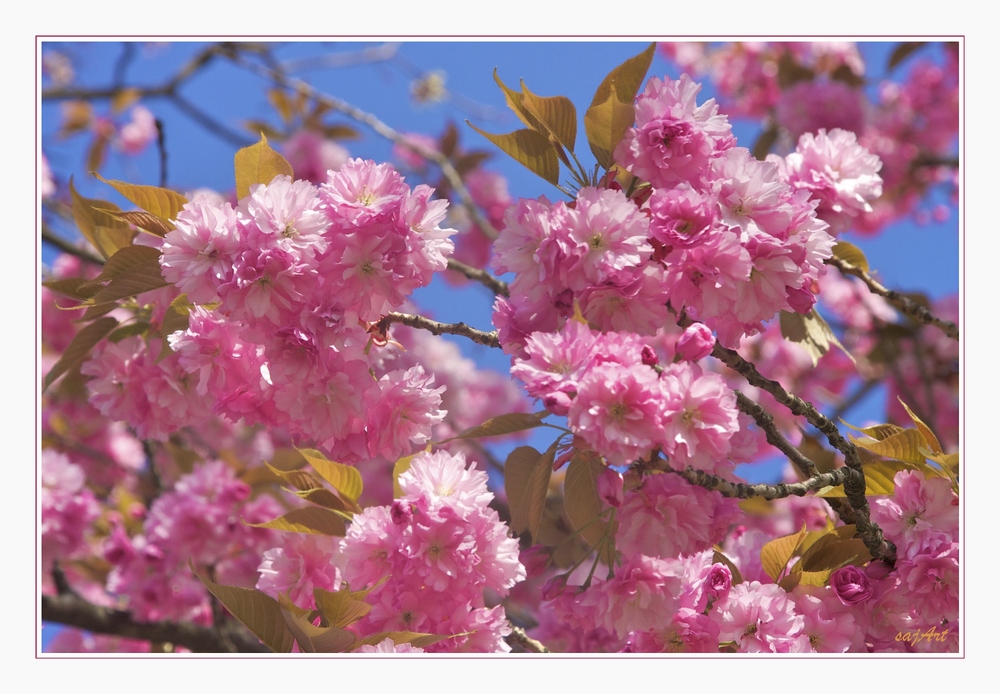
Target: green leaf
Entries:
(851, 254)
(606, 123)
(775, 555)
(810, 332)
(161, 202)
(903, 51)
(311, 519)
(626, 78)
(530, 149)
(556, 115)
(259, 613)
(79, 348)
(584, 507)
(344, 478)
(501, 425)
(526, 482)
(258, 164)
(340, 609)
(97, 223)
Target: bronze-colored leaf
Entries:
(146, 221)
(77, 116)
(810, 332)
(845, 75)
(314, 639)
(811, 578)
(311, 519)
(529, 148)
(515, 102)
(105, 232)
(775, 555)
(834, 554)
(124, 98)
(282, 104)
(344, 478)
(161, 202)
(287, 458)
(720, 558)
(340, 609)
(259, 127)
(626, 78)
(791, 71)
(258, 612)
(526, 482)
(904, 445)
(878, 431)
(400, 466)
(130, 271)
(98, 150)
(176, 317)
(78, 288)
(851, 254)
(258, 164)
(501, 425)
(328, 499)
(340, 132)
(584, 507)
(606, 123)
(925, 431)
(128, 330)
(878, 479)
(556, 114)
(79, 348)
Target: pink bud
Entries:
(554, 587)
(695, 343)
(719, 580)
(535, 559)
(610, 487)
(400, 512)
(557, 403)
(649, 357)
(851, 585)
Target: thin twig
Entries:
(903, 303)
(766, 422)
(449, 171)
(489, 339)
(740, 490)
(496, 285)
(49, 236)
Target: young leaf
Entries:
(925, 431)
(401, 466)
(606, 123)
(556, 114)
(161, 202)
(311, 519)
(879, 432)
(526, 481)
(340, 609)
(811, 333)
(530, 149)
(258, 164)
(259, 613)
(775, 555)
(314, 639)
(79, 348)
(850, 253)
(904, 446)
(626, 78)
(515, 102)
(584, 506)
(131, 271)
(831, 555)
(145, 221)
(344, 478)
(500, 425)
(878, 479)
(97, 223)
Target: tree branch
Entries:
(740, 490)
(518, 638)
(903, 303)
(496, 285)
(489, 339)
(72, 610)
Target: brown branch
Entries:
(741, 490)
(449, 171)
(854, 483)
(489, 339)
(903, 303)
(496, 285)
(519, 639)
(766, 422)
(72, 610)
(65, 246)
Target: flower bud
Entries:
(610, 487)
(649, 357)
(535, 559)
(557, 403)
(696, 342)
(719, 580)
(400, 512)
(851, 585)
